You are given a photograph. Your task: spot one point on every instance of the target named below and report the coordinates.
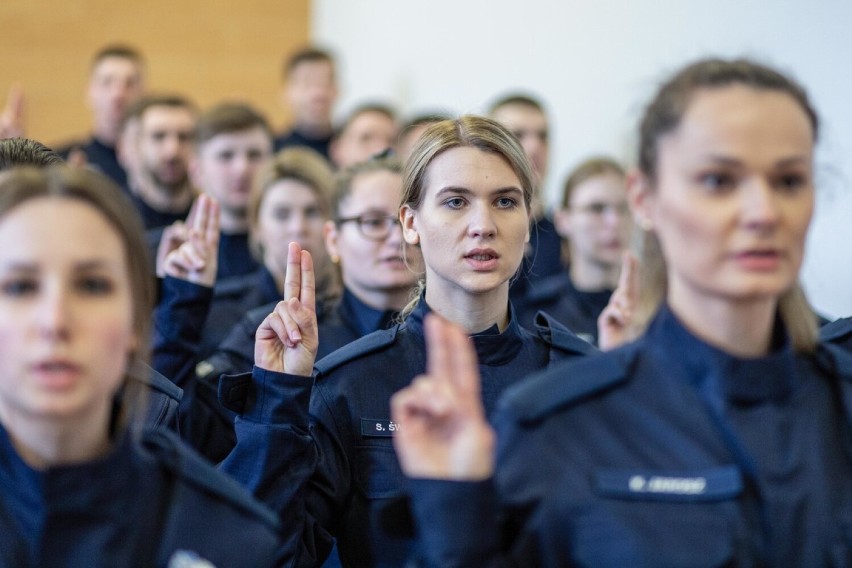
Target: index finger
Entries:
(628, 280)
(452, 359)
(307, 293)
(293, 277)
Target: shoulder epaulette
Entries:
(183, 462)
(835, 359)
(146, 374)
(835, 331)
(554, 333)
(370, 343)
(564, 385)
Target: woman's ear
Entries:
(330, 234)
(641, 197)
(409, 225)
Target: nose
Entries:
(53, 315)
(298, 226)
(481, 224)
(760, 208)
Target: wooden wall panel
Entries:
(208, 50)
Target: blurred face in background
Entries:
(114, 84)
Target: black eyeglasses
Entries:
(372, 226)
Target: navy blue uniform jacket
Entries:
(149, 502)
(666, 452)
(328, 466)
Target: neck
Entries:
(743, 329)
(44, 443)
(592, 276)
(233, 222)
(386, 299)
(105, 134)
(473, 312)
(163, 200)
(314, 129)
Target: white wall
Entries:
(595, 63)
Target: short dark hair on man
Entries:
(516, 99)
(121, 50)
(138, 108)
(308, 54)
(229, 117)
(16, 152)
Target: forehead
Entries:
(379, 190)
(312, 69)
(255, 137)
(469, 168)
(370, 121)
(115, 66)
(742, 121)
(606, 187)
(62, 226)
(520, 116)
(290, 193)
(163, 116)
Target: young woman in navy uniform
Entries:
(319, 449)
(80, 483)
(721, 437)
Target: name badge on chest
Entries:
(378, 427)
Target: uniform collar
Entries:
(72, 486)
(492, 347)
(714, 372)
(362, 317)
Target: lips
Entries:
(758, 259)
(482, 259)
(56, 374)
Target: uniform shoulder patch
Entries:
(565, 384)
(370, 343)
(557, 335)
(166, 449)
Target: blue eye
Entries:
(717, 181)
(506, 203)
(454, 203)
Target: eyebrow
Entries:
(84, 266)
(784, 162)
(465, 191)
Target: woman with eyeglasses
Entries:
(594, 220)
(318, 449)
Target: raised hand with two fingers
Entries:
(287, 339)
(441, 431)
(189, 250)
